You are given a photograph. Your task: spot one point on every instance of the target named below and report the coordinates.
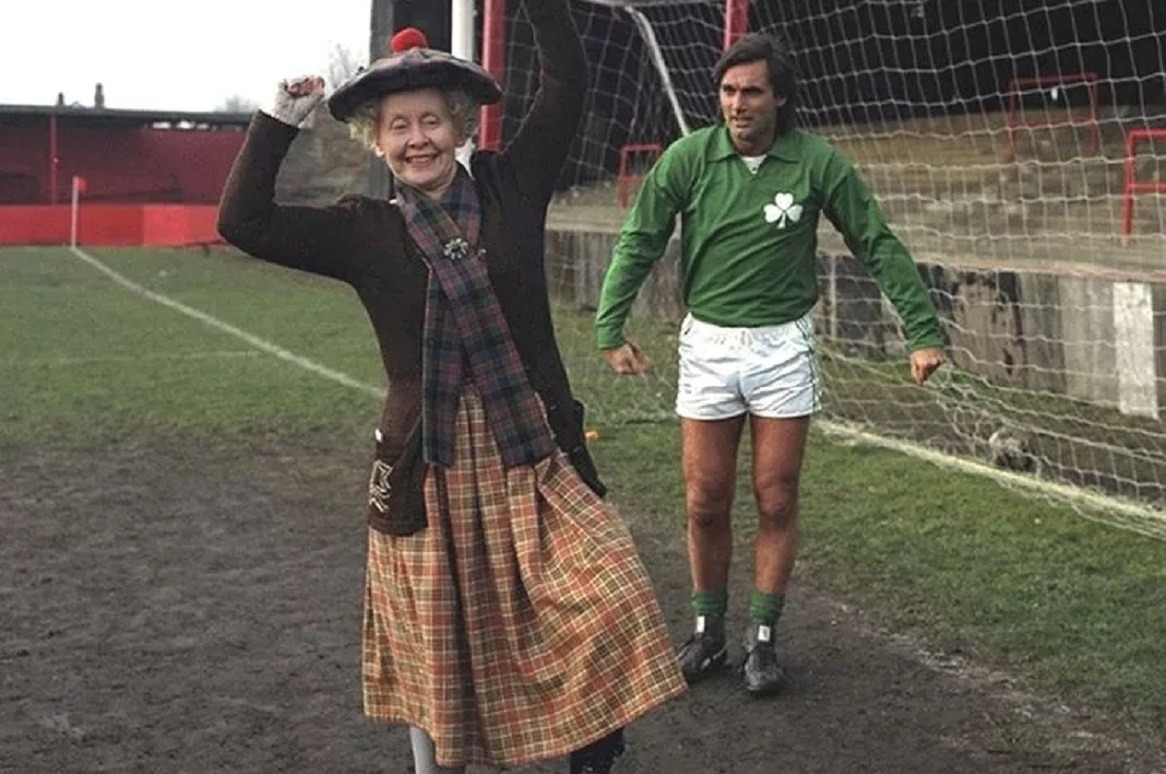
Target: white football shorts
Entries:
(770, 371)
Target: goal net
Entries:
(1016, 149)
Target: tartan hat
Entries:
(412, 65)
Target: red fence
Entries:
(150, 179)
(628, 178)
(1130, 185)
(120, 164)
(161, 225)
(1017, 118)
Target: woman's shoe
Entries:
(599, 756)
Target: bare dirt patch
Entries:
(196, 609)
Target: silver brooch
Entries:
(456, 249)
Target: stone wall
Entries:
(1089, 337)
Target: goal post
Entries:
(78, 187)
(948, 111)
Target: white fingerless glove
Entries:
(293, 110)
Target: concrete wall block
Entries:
(986, 328)
(1133, 323)
(1043, 365)
(853, 317)
(1158, 296)
(1085, 337)
(1086, 311)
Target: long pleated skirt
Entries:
(520, 624)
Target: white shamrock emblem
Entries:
(783, 209)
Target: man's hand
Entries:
(626, 359)
(296, 99)
(924, 362)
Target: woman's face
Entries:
(417, 139)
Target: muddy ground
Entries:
(197, 609)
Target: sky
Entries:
(159, 55)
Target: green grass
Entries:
(1077, 605)
(960, 562)
(1077, 442)
(964, 564)
(85, 358)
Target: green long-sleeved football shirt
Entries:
(749, 239)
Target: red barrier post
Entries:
(494, 61)
(1130, 185)
(736, 20)
(53, 159)
(626, 177)
(1016, 85)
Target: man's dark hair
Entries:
(783, 75)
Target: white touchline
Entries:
(214, 322)
(1106, 509)
(1153, 524)
(68, 361)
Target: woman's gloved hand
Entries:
(295, 100)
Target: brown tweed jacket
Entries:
(363, 242)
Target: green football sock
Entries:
(710, 603)
(765, 608)
(710, 607)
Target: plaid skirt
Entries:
(520, 624)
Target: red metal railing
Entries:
(1016, 119)
(736, 20)
(494, 61)
(1130, 184)
(627, 178)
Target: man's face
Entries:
(749, 107)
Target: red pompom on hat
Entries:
(412, 64)
(407, 38)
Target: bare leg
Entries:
(710, 471)
(425, 757)
(778, 450)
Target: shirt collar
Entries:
(784, 146)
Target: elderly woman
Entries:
(508, 617)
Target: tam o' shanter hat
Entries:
(412, 65)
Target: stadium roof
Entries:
(106, 117)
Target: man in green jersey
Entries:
(749, 192)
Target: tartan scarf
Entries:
(466, 332)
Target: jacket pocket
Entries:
(396, 488)
(580, 456)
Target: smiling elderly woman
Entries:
(385, 129)
(508, 617)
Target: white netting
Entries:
(995, 136)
